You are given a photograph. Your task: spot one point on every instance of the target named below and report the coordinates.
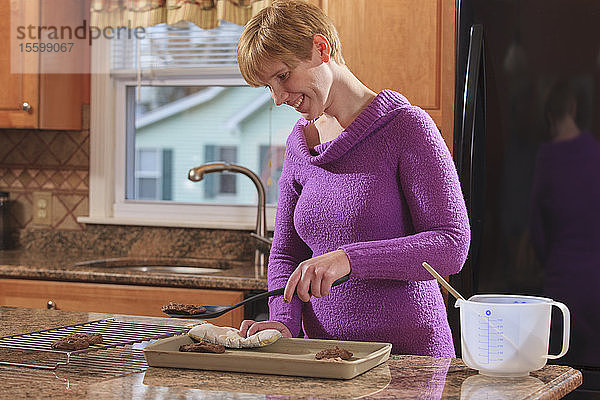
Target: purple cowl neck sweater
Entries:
(387, 193)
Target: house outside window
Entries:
(180, 90)
(147, 174)
(152, 176)
(222, 183)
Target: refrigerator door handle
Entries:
(470, 163)
(474, 63)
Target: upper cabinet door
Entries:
(19, 93)
(404, 45)
(33, 95)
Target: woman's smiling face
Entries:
(305, 87)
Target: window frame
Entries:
(107, 202)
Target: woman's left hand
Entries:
(314, 277)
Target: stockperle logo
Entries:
(48, 42)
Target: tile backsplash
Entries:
(55, 164)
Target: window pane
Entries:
(147, 189)
(148, 161)
(227, 184)
(228, 153)
(199, 124)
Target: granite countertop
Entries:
(89, 267)
(406, 377)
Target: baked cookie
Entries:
(203, 347)
(90, 337)
(333, 352)
(185, 309)
(69, 343)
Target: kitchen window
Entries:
(170, 102)
(152, 177)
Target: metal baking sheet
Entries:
(287, 356)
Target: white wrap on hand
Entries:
(230, 337)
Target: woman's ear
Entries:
(323, 47)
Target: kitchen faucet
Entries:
(197, 174)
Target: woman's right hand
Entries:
(250, 327)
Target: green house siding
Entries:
(187, 133)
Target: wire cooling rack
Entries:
(34, 349)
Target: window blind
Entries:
(175, 50)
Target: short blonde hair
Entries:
(283, 31)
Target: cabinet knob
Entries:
(51, 305)
(27, 107)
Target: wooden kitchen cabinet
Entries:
(30, 99)
(404, 45)
(115, 299)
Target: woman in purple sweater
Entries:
(368, 188)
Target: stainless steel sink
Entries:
(172, 269)
(187, 266)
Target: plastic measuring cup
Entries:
(508, 335)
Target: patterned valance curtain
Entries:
(204, 13)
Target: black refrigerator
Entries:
(527, 122)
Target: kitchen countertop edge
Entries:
(73, 268)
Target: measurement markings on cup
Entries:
(491, 342)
